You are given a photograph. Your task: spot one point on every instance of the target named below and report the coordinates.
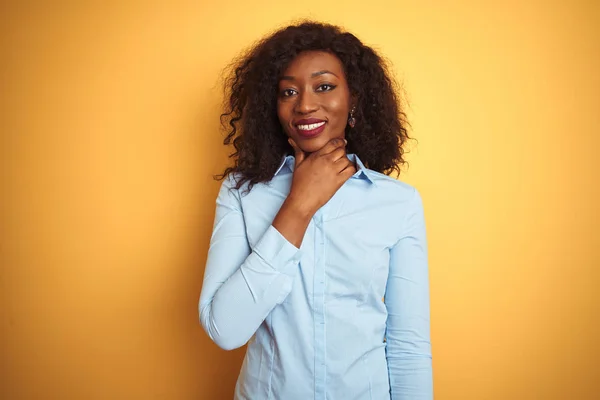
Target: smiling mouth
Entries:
(310, 130)
(310, 127)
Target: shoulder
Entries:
(231, 183)
(229, 191)
(398, 190)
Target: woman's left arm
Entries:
(408, 344)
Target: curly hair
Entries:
(250, 107)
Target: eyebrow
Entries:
(314, 74)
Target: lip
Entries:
(307, 121)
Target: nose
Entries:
(306, 103)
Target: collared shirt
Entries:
(344, 317)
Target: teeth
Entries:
(311, 126)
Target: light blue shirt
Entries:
(315, 318)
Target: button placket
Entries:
(319, 307)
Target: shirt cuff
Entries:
(277, 251)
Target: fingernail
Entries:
(345, 141)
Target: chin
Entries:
(312, 145)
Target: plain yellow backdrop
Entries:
(109, 137)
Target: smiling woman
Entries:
(264, 70)
(307, 238)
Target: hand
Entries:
(319, 175)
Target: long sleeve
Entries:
(408, 345)
(242, 284)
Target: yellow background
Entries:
(109, 138)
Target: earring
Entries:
(351, 119)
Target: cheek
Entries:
(338, 107)
(283, 113)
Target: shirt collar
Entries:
(287, 166)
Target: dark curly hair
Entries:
(250, 108)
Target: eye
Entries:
(325, 87)
(287, 92)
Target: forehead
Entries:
(309, 62)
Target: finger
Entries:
(337, 154)
(331, 146)
(349, 171)
(299, 155)
(344, 164)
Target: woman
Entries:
(318, 259)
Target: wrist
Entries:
(299, 207)
(292, 220)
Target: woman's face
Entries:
(313, 100)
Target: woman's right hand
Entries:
(319, 175)
(316, 179)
